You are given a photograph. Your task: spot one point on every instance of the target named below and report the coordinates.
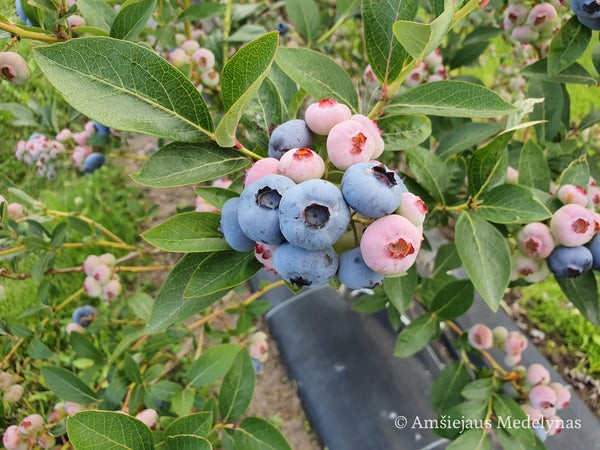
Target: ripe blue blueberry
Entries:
(258, 366)
(313, 214)
(93, 161)
(230, 227)
(282, 28)
(305, 268)
(594, 247)
(258, 210)
(101, 130)
(291, 134)
(569, 262)
(354, 273)
(84, 315)
(372, 189)
(539, 429)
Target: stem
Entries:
(25, 34)
(389, 90)
(12, 250)
(142, 268)
(244, 151)
(188, 26)
(236, 305)
(89, 221)
(227, 30)
(333, 29)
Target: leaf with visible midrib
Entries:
(240, 79)
(131, 19)
(108, 430)
(567, 45)
(510, 203)
(237, 388)
(68, 386)
(105, 86)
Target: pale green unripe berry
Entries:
(14, 393)
(14, 68)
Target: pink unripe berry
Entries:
(542, 397)
(13, 440)
(203, 206)
(370, 77)
(435, 77)
(516, 14)
(572, 194)
(536, 240)
(31, 425)
(348, 143)
(539, 275)
(149, 417)
(89, 129)
(6, 380)
(75, 327)
(210, 78)
(223, 182)
(512, 360)
(111, 290)
(524, 33)
(542, 16)
(58, 413)
(554, 425)
(13, 68)
(64, 135)
(417, 76)
(322, 116)
(190, 46)
(92, 287)
(537, 374)
(515, 343)
(434, 59)
(563, 395)
(75, 21)
(533, 414)
(593, 197)
(102, 274)
(108, 259)
(390, 245)
(371, 126)
(523, 266)
(74, 408)
(261, 168)
(259, 347)
(178, 57)
(15, 211)
(481, 337)
(204, 59)
(512, 175)
(14, 393)
(81, 139)
(301, 164)
(264, 254)
(413, 208)
(573, 225)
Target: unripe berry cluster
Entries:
(41, 152)
(535, 25)
(15, 210)
(292, 218)
(541, 397)
(101, 280)
(430, 69)
(200, 59)
(11, 391)
(29, 433)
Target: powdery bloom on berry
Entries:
(481, 337)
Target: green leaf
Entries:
(38, 350)
(108, 430)
(452, 99)
(400, 132)
(106, 86)
(574, 74)
(141, 305)
(318, 75)
(263, 114)
(453, 300)
(428, 169)
(305, 15)
(240, 79)
(221, 270)
(465, 136)
(533, 167)
(131, 19)
(201, 10)
(255, 433)
(577, 174)
(84, 347)
(510, 203)
(212, 364)
(68, 386)
(179, 164)
(188, 442)
(215, 196)
(59, 235)
(237, 388)
(550, 110)
(92, 31)
(41, 265)
(583, 293)
(488, 165)
(479, 389)
(370, 304)
(473, 439)
(416, 335)
(592, 118)
(188, 232)
(446, 259)
(485, 256)
(420, 39)
(197, 424)
(474, 410)
(445, 392)
(97, 13)
(132, 370)
(509, 410)
(401, 290)
(567, 45)
(182, 402)
(384, 53)
(596, 58)
(170, 305)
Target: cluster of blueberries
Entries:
(569, 246)
(201, 60)
(292, 217)
(543, 398)
(29, 433)
(534, 26)
(102, 280)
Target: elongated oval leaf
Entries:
(473, 439)
(180, 164)
(318, 75)
(465, 136)
(263, 114)
(416, 335)
(222, 270)
(97, 13)
(567, 45)
(188, 232)
(201, 10)
(237, 388)
(68, 386)
(187, 442)
(428, 169)
(215, 196)
(583, 293)
(240, 79)
(533, 167)
(258, 434)
(577, 174)
(451, 98)
(485, 256)
(453, 300)
(108, 430)
(197, 424)
(574, 74)
(400, 132)
(131, 19)
(127, 87)
(400, 291)
(305, 15)
(445, 392)
(488, 165)
(509, 203)
(212, 364)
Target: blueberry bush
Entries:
(322, 151)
